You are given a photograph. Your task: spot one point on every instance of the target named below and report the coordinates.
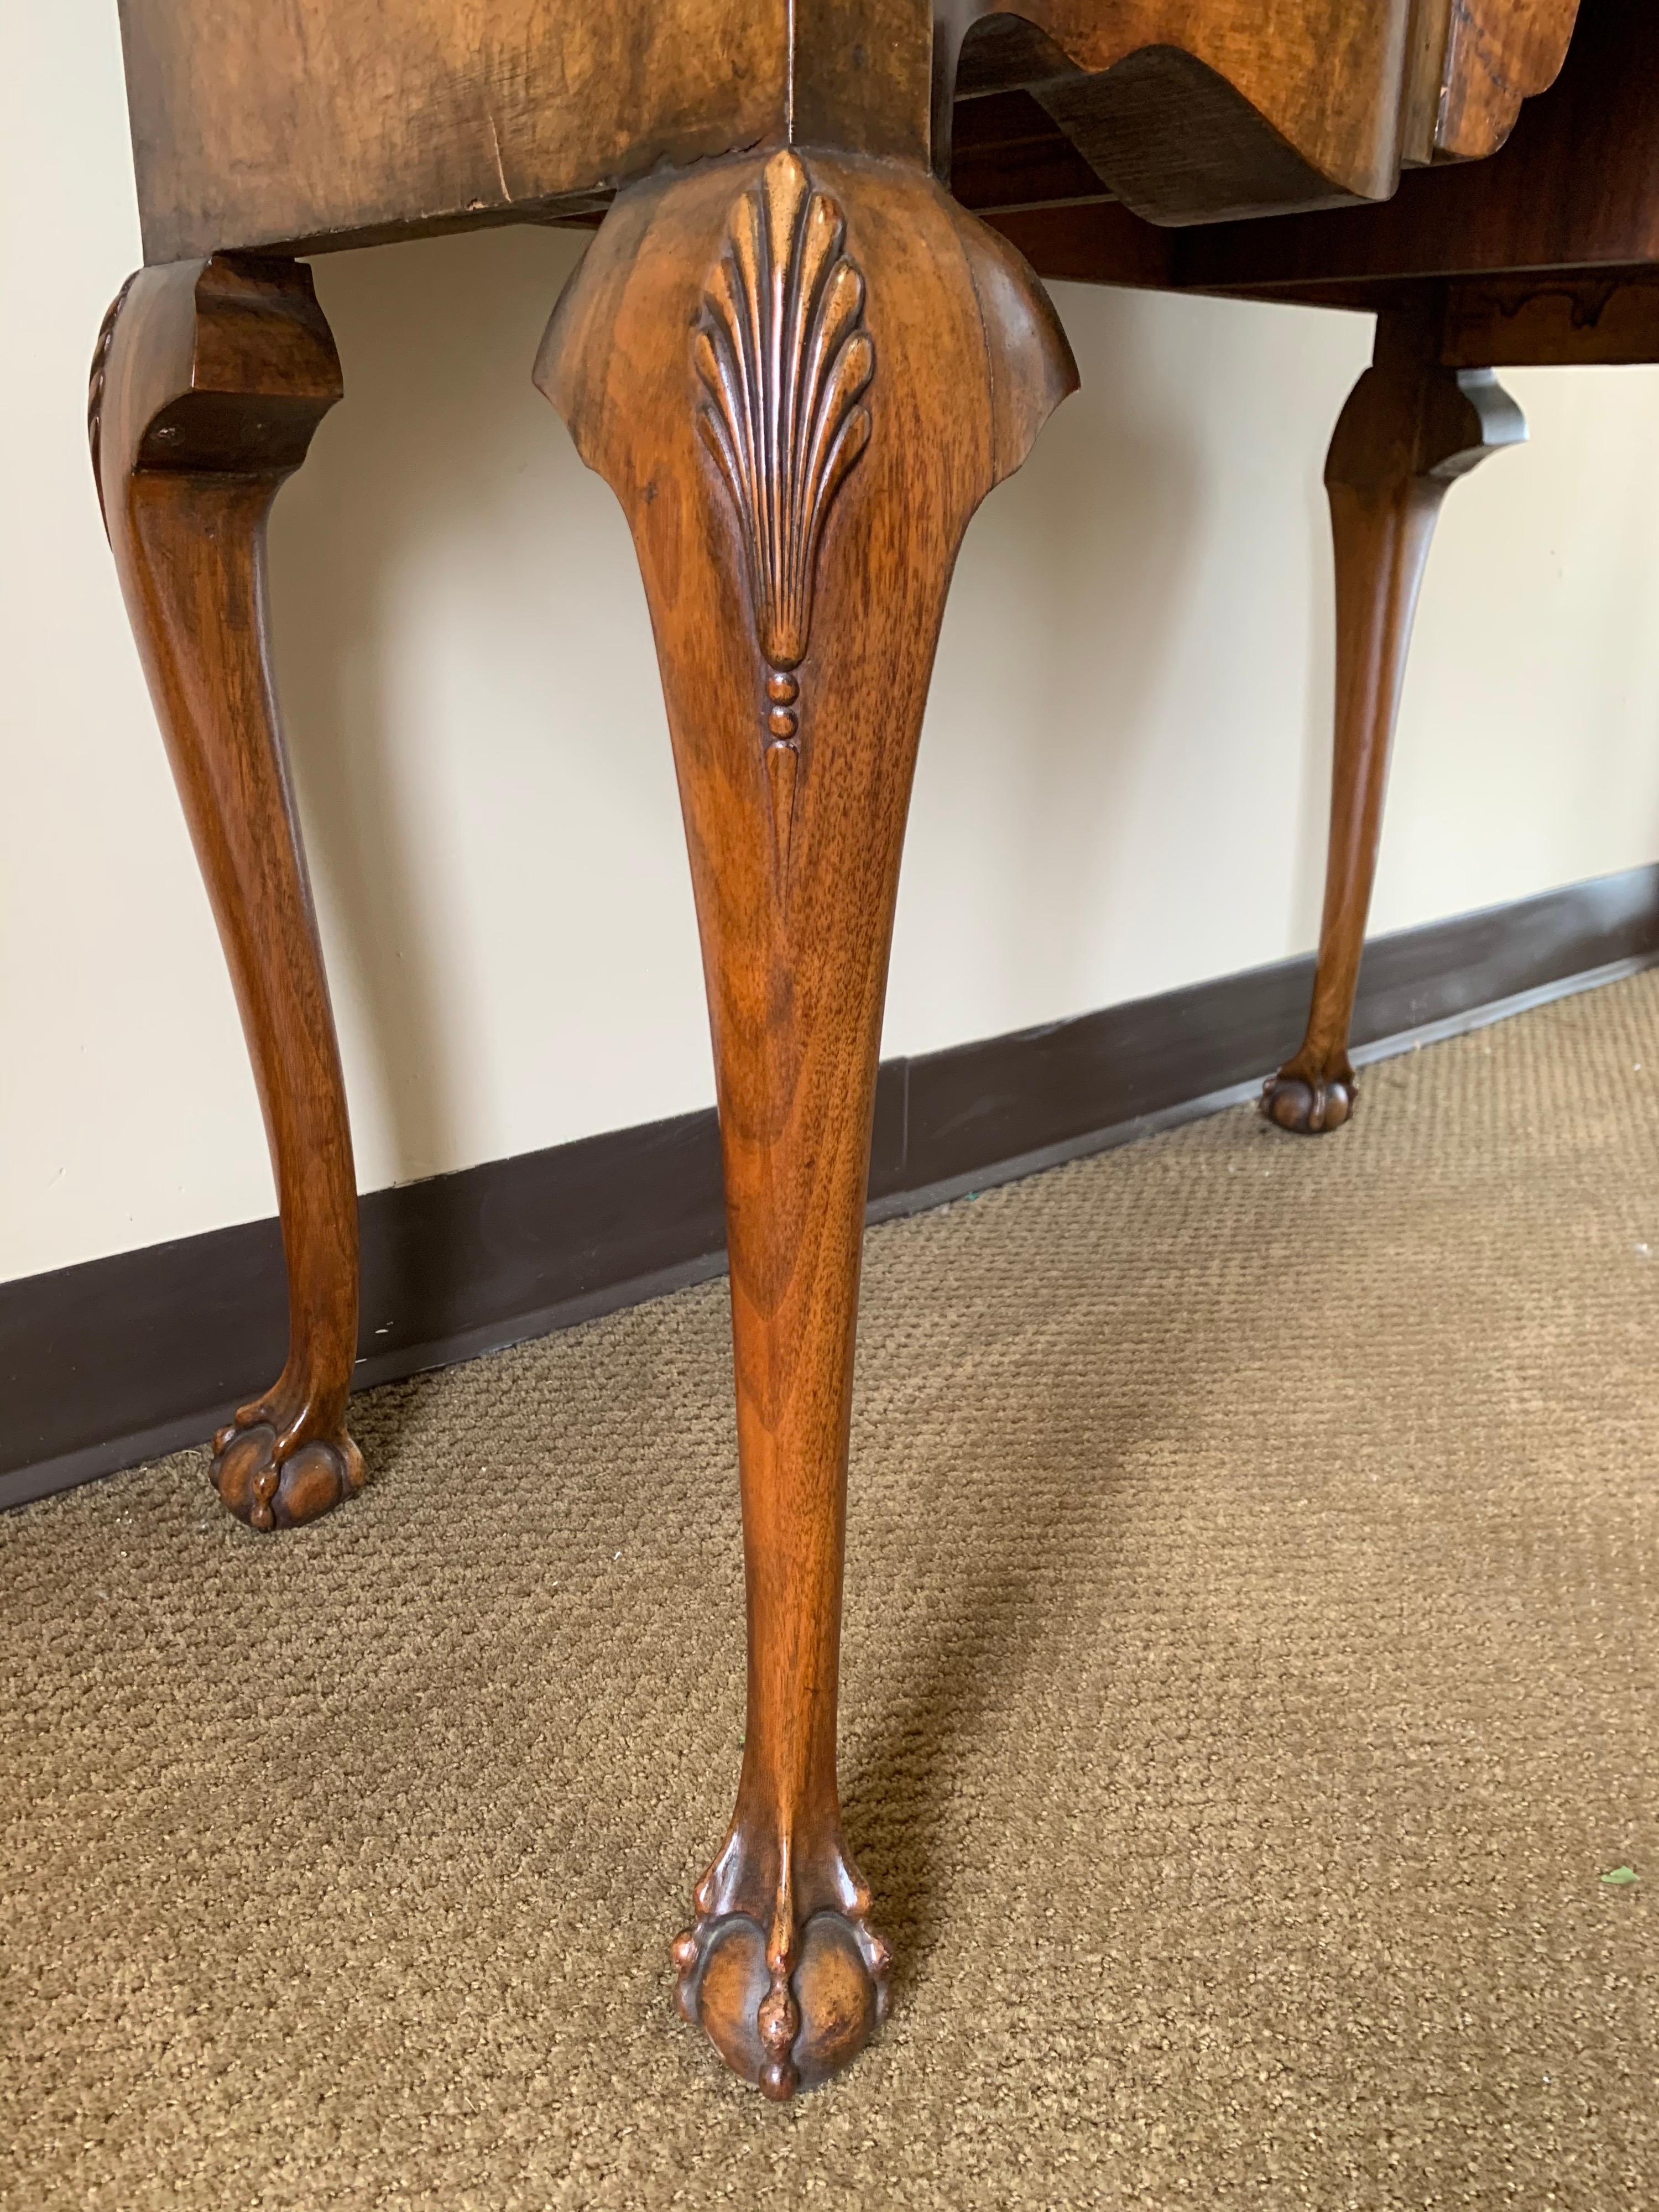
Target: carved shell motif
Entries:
(781, 351)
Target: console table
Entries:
(801, 360)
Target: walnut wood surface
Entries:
(1497, 54)
(209, 379)
(1186, 112)
(1426, 59)
(1008, 152)
(335, 122)
(800, 379)
(1594, 319)
(1576, 186)
(1410, 428)
(1471, 66)
(1191, 110)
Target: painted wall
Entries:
(1123, 779)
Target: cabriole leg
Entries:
(800, 378)
(1409, 429)
(209, 379)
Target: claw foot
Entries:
(1310, 1104)
(786, 2013)
(271, 1492)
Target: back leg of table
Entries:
(1409, 429)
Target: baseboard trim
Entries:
(123, 1360)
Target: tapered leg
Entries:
(800, 379)
(209, 379)
(1409, 428)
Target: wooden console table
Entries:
(801, 361)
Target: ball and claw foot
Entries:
(271, 1490)
(1310, 1104)
(783, 2031)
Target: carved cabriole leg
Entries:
(1410, 427)
(800, 379)
(209, 380)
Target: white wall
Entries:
(1123, 778)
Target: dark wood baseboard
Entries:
(121, 1359)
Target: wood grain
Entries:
(1499, 53)
(208, 381)
(1598, 319)
(1471, 64)
(1008, 152)
(343, 121)
(1425, 81)
(1575, 187)
(800, 379)
(1188, 113)
(1296, 104)
(328, 123)
(1410, 428)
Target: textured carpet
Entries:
(1250, 1680)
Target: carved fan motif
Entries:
(783, 355)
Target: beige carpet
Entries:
(1250, 1678)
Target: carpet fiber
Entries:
(1250, 1680)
